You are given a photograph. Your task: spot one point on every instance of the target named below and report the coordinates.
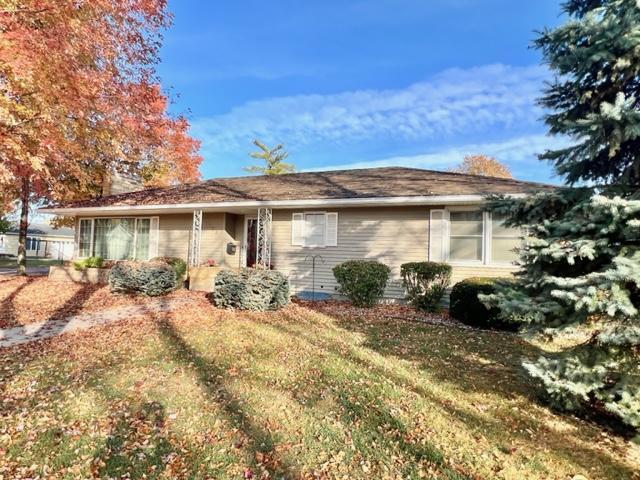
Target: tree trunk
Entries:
(24, 224)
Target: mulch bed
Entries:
(342, 309)
(25, 300)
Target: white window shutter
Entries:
(331, 229)
(297, 229)
(154, 237)
(437, 236)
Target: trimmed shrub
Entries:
(149, 278)
(362, 281)
(467, 307)
(425, 284)
(178, 264)
(251, 289)
(89, 262)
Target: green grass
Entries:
(293, 394)
(31, 262)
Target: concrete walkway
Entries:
(31, 271)
(51, 328)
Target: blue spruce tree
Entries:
(581, 262)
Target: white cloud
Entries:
(454, 103)
(519, 153)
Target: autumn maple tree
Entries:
(80, 99)
(483, 165)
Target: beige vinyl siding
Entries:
(174, 232)
(219, 229)
(390, 235)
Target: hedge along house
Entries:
(393, 215)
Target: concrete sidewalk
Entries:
(34, 271)
(51, 328)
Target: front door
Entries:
(251, 230)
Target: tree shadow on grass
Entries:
(8, 316)
(522, 426)
(52, 325)
(210, 377)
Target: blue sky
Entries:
(346, 83)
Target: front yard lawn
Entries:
(312, 391)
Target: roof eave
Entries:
(241, 206)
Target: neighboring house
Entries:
(42, 241)
(394, 215)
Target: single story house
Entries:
(42, 241)
(394, 215)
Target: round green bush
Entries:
(178, 264)
(467, 307)
(251, 289)
(425, 283)
(362, 281)
(149, 278)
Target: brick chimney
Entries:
(116, 183)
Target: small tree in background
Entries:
(5, 224)
(581, 265)
(483, 165)
(273, 159)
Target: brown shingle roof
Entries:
(337, 184)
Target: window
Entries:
(32, 243)
(143, 228)
(314, 229)
(466, 236)
(471, 236)
(314, 226)
(116, 238)
(504, 240)
(84, 237)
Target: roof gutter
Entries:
(226, 206)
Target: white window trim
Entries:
(487, 231)
(93, 232)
